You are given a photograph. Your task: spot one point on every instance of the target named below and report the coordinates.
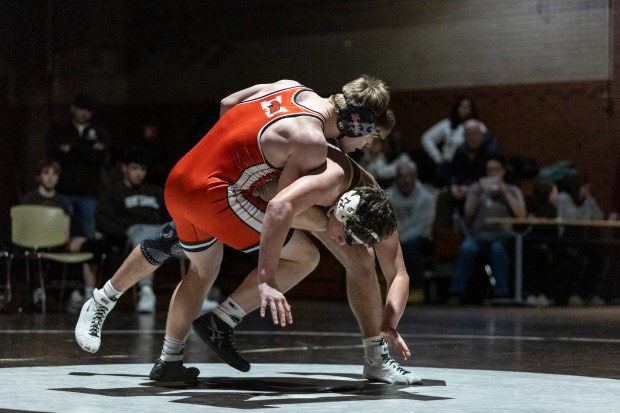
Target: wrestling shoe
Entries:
(221, 338)
(89, 325)
(173, 371)
(386, 369)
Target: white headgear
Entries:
(346, 207)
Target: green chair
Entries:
(37, 228)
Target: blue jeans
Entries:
(414, 251)
(135, 235)
(493, 252)
(84, 214)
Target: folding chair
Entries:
(6, 295)
(36, 227)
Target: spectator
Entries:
(441, 140)
(469, 162)
(414, 206)
(543, 259)
(48, 174)
(131, 210)
(82, 149)
(467, 166)
(489, 197)
(375, 161)
(587, 263)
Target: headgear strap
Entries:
(355, 121)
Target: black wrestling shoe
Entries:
(221, 338)
(173, 371)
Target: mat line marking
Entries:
(333, 334)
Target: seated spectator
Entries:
(374, 160)
(48, 174)
(414, 206)
(587, 263)
(489, 197)
(131, 210)
(470, 158)
(542, 259)
(442, 139)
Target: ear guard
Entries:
(354, 121)
(345, 208)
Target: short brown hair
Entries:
(374, 214)
(48, 164)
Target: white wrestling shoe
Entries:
(381, 367)
(89, 325)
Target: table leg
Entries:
(518, 268)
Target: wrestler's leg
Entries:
(364, 296)
(190, 293)
(363, 290)
(185, 306)
(142, 260)
(299, 257)
(133, 269)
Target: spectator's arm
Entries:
(432, 138)
(107, 216)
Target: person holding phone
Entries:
(489, 197)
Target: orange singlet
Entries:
(209, 191)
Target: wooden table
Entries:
(528, 224)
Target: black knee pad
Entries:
(162, 245)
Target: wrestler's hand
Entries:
(275, 300)
(396, 341)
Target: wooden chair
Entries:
(37, 228)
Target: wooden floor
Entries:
(472, 359)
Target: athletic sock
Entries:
(230, 312)
(110, 291)
(173, 349)
(373, 348)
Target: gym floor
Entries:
(472, 359)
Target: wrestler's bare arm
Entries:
(312, 219)
(390, 258)
(310, 190)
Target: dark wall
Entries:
(545, 121)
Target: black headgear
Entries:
(354, 121)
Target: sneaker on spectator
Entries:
(38, 295)
(76, 300)
(575, 301)
(381, 367)
(221, 338)
(147, 301)
(595, 301)
(173, 371)
(89, 325)
(543, 301)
